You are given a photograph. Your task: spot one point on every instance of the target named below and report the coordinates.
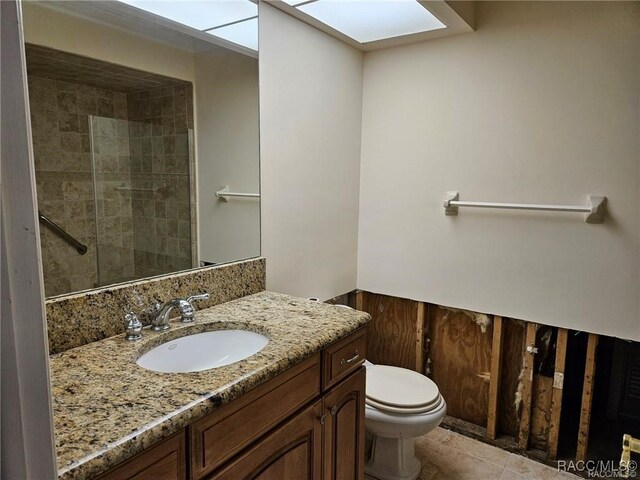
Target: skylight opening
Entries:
(243, 33)
(235, 21)
(371, 20)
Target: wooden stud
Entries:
(420, 338)
(587, 397)
(359, 299)
(527, 387)
(556, 399)
(494, 379)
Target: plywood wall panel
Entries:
(460, 355)
(391, 334)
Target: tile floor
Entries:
(447, 455)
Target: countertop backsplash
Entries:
(81, 318)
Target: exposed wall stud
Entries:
(587, 397)
(556, 399)
(494, 379)
(527, 387)
(420, 337)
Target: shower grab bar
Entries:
(58, 230)
(224, 194)
(595, 208)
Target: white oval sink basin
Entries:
(203, 351)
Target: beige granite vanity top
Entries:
(106, 408)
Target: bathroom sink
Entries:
(203, 351)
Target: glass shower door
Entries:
(145, 213)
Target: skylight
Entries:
(243, 33)
(232, 20)
(371, 20)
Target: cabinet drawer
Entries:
(217, 437)
(343, 357)
(164, 461)
(292, 452)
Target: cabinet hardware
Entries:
(355, 357)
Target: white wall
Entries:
(539, 105)
(310, 122)
(228, 151)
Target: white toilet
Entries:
(401, 405)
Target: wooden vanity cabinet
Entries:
(166, 460)
(305, 424)
(344, 429)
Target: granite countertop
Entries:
(107, 409)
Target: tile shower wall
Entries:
(142, 222)
(61, 142)
(114, 217)
(163, 209)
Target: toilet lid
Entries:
(399, 389)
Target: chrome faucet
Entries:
(160, 319)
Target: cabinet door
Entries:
(344, 429)
(292, 452)
(164, 461)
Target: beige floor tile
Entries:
(441, 461)
(477, 449)
(509, 475)
(439, 434)
(531, 468)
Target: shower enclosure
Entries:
(141, 185)
(115, 170)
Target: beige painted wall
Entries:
(228, 154)
(539, 105)
(46, 27)
(310, 114)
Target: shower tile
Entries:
(85, 143)
(157, 145)
(168, 125)
(167, 108)
(120, 106)
(63, 86)
(170, 144)
(156, 127)
(68, 122)
(105, 93)
(70, 141)
(87, 90)
(172, 228)
(67, 102)
(124, 163)
(180, 104)
(105, 107)
(181, 123)
(161, 210)
(184, 229)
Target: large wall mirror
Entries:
(145, 135)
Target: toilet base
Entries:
(392, 459)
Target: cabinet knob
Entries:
(322, 419)
(334, 410)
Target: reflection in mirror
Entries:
(137, 121)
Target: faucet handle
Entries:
(133, 327)
(189, 311)
(201, 296)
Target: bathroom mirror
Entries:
(141, 112)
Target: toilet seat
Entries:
(401, 391)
